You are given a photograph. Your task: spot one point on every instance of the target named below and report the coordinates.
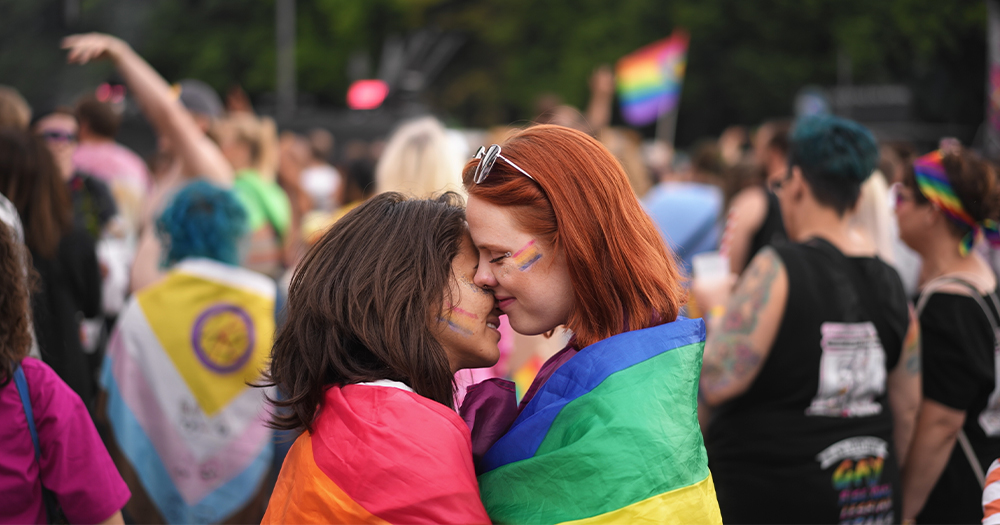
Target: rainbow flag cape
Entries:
(650, 79)
(175, 373)
(379, 453)
(611, 437)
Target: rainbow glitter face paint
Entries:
(526, 257)
(461, 321)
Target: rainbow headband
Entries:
(932, 181)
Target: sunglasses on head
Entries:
(58, 136)
(487, 158)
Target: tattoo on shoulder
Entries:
(911, 346)
(752, 293)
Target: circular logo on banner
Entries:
(223, 338)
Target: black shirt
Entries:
(69, 287)
(958, 372)
(93, 203)
(811, 440)
(771, 231)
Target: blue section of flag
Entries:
(138, 449)
(594, 363)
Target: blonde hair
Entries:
(418, 161)
(14, 110)
(872, 217)
(260, 133)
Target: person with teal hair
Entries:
(812, 371)
(189, 434)
(203, 220)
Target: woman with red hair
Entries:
(608, 429)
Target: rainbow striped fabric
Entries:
(991, 495)
(932, 181)
(379, 453)
(176, 375)
(611, 437)
(650, 79)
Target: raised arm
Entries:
(904, 390)
(602, 96)
(739, 342)
(201, 156)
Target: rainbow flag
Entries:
(526, 375)
(379, 453)
(650, 79)
(611, 437)
(176, 375)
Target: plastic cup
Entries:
(710, 266)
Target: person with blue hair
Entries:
(203, 220)
(189, 434)
(812, 371)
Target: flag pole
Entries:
(666, 126)
(991, 143)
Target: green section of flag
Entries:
(634, 436)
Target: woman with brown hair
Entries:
(946, 200)
(64, 257)
(382, 312)
(608, 428)
(48, 443)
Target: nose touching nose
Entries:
(484, 275)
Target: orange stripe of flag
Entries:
(304, 494)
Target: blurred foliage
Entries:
(746, 62)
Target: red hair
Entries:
(624, 277)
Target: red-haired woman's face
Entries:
(532, 283)
(468, 327)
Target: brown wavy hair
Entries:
(624, 276)
(975, 182)
(30, 179)
(361, 303)
(15, 322)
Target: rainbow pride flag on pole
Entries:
(650, 79)
(176, 375)
(611, 437)
(379, 453)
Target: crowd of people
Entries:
(789, 324)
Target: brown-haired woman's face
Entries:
(468, 327)
(532, 285)
(913, 218)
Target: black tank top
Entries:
(772, 230)
(811, 440)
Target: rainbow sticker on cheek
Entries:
(527, 256)
(461, 321)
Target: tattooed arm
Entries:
(904, 389)
(740, 342)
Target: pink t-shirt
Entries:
(112, 163)
(75, 465)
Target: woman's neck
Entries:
(943, 258)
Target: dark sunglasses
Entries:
(487, 158)
(58, 136)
